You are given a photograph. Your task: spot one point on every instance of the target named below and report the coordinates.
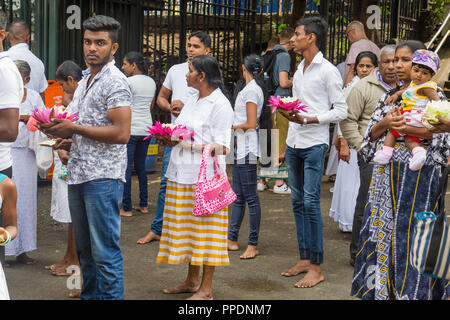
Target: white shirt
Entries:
(211, 118)
(320, 88)
(247, 141)
(33, 101)
(38, 81)
(143, 89)
(176, 82)
(11, 95)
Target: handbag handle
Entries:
(203, 165)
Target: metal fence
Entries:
(158, 28)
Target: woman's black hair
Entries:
(254, 64)
(366, 54)
(69, 68)
(141, 62)
(210, 67)
(412, 45)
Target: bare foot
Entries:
(63, 271)
(233, 245)
(301, 267)
(143, 210)
(311, 279)
(56, 265)
(24, 259)
(125, 213)
(149, 237)
(75, 295)
(182, 288)
(201, 296)
(250, 253)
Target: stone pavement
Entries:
(257, 279)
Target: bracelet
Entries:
(8, 239)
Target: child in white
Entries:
(414, 101)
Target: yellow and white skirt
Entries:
(185, 237)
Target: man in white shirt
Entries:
(173, 95)
(19, 37)
(319, 85)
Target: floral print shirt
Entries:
(90, 159)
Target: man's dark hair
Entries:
(103, 23)
(203, 36)
(319, 27)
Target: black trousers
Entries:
(365, 176)
(8, 173)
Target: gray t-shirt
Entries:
(282, 63)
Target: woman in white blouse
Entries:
(25, 174)
(247, 113)
(135, 67)
(201, 241)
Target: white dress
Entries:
(4, 294)
(60, 202)
(25, 176)
(346, 186)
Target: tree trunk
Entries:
(298, 11)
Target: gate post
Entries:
(323, 9)
(183, 14)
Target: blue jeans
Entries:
(137, 149)
(95, 211)
(245, 186)
(158, 219)
(305, 179)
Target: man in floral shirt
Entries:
(98, 160)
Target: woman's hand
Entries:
(443, 125)
(166, 141)
(344, 151)
(3, 234)
(392, 120)
(282, 159)
(63, 144)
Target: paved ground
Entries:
(241, 280)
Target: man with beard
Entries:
(98, 160)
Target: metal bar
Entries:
(442, 41)
(439, 31)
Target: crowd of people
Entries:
(379, 156)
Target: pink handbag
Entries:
(212, 195)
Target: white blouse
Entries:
(211, 118)
(247, 141)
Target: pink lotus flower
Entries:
(288, 104)
(169, 130)
(46, 116)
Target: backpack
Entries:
(269, 63)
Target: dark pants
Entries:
(365, 176)
(8, 173)
(137, 149)
(245, 186)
